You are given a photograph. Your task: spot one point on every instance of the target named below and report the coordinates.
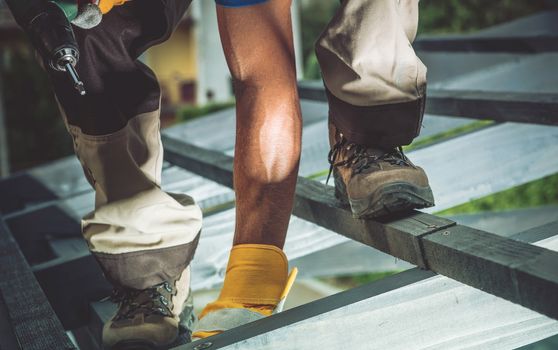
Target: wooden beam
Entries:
(34, 323)
(398, 236)
(343, 303)
(521, 107)
(4, 146)
(8, 339)
(521, 273)
(405, 237)
(517, 44)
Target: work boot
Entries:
(374, 181)
(151, 318)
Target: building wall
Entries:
(214, 80)
(175, 64)
(191, 63)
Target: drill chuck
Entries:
(65, 60)
(49, 29)
(62, 57)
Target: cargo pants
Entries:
(142, 235)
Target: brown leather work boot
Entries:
(151, 318)
(376, 182)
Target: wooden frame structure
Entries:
(512, 268)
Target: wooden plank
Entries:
(469, 43)
(521, 107)
(70, 283)
(538, 233)
(495, 159)
(398, 236)
(521, 273)
(34, 322)
(4, 145)
(389, 313)
(316, 308)
(403, 236)
(530, 34)
(350, 257)
(8, 339)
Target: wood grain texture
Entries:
(521, 107)
(416, 237)
(512, 44)
(522, 273)
(529, 34)
(411, 310)
(34, 322)
(8, 338)
(315, 202)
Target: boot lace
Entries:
(359, 159)
(150, 301)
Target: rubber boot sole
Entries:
(396, 197)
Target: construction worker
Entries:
(376, 90)
(144, 239)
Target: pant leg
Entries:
(139, 234)
(375, 83)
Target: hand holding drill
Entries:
(48, 25)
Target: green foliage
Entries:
(533, 194)
(312, 68)
(436, 17)
(191, 112)
(459, 16)
(36, 131)
(351, 281)
(448, 134)
(314, 15)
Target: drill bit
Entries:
(78, 84)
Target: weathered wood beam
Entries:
(421, 239)
(34, 323)
(4, 145)
(518, 44)
(8, 339)
(317, 203)
(535, 108)
(532, 107)
(341, 302)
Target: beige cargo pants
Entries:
(140, 235)
(375, 83)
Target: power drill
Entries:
(47, 23)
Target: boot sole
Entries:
(389, 199)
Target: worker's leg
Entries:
(376, 89)
(258, 45)
(257, 41)
(142, 237)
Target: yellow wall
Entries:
(174, 61)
